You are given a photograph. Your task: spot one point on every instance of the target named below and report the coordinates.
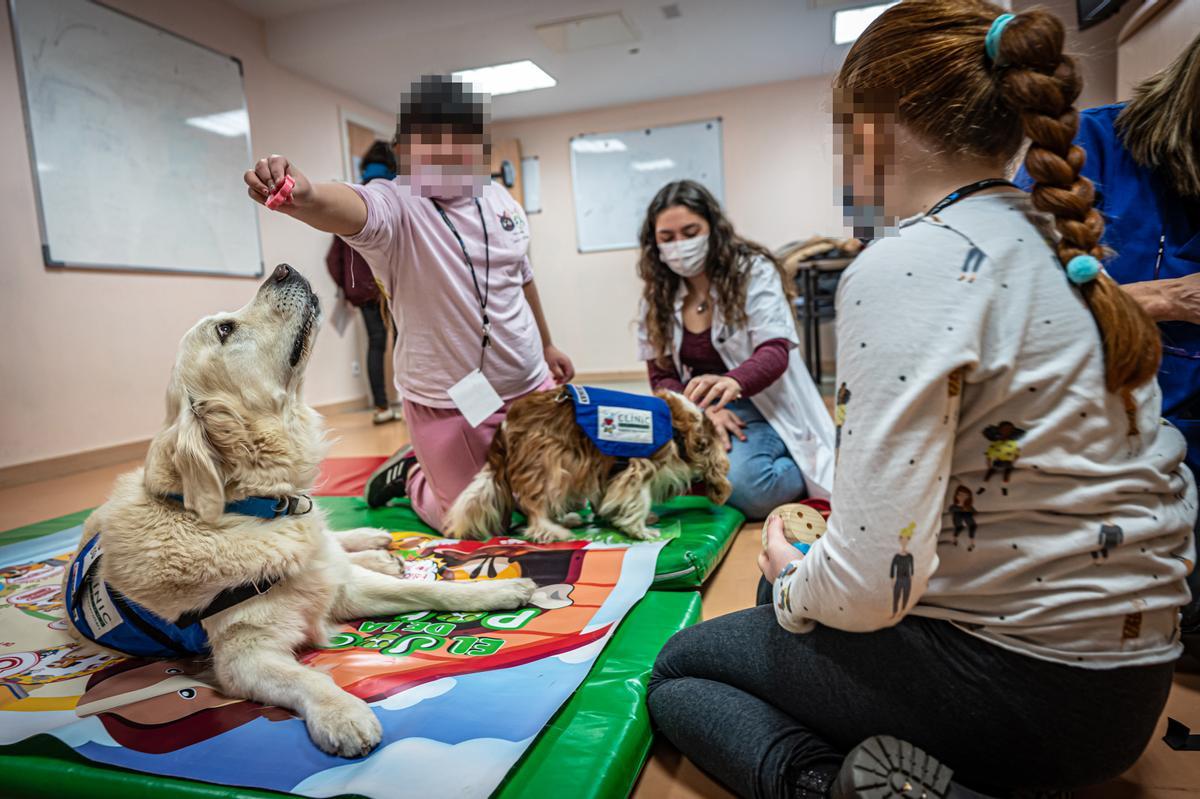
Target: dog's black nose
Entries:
(281, 273)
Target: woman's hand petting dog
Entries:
(778, 552)
(727, 424)
(713, 392)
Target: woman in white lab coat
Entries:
(716, 324)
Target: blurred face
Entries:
(678, 223)
(866, 142)
(438, 162)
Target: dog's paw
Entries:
(642, 533)
(572, 520)
(363, 538)
(344, 726)
(509, 594)
(548, 533)
(377, 561)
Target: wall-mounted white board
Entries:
(616, 175)
(138, 140)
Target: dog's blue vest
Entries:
(112, 620)
(620, 424)
(104, 615)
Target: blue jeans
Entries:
(761, 469)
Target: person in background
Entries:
(353, 276)
(891, 662)
(450, 248)
(716, 324)
(1144, 159)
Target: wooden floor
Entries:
(1160, 774)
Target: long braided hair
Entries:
(930, 55)
(727, 265)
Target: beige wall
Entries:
(1157, 44)
(86, 354)
(778, 187)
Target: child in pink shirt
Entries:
(450, 247)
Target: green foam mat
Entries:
(603, 732)
(704, 533)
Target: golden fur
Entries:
(237, 427)
(544, 463)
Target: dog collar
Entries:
(264, 507)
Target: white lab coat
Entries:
(792, 405)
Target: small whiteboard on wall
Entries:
(138, 140)
(615, 175)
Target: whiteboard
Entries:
(616, 175)
(138, 140)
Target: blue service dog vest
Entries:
(112, 620)
(620, 424)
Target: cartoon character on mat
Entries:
(17, 578)
(962, 511)
(1003, 452)
(33, 588)
(21, 672)
(1111, 536)
(162, 706)
(902, 571)
(839, 414)
(954, 384)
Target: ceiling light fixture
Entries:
(518, 76)
(849, 23)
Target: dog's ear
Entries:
(198, 465)
(712, 462)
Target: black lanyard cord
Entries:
(483, 295)
(964, 191)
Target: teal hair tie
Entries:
(991, 43)
(1083, 269)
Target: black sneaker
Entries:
(390, 480)
(884, 767)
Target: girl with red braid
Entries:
(1023, 663)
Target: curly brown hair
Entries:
(929, 55)
(727, 265)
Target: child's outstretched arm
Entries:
(331, 207)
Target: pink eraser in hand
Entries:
(282, 194)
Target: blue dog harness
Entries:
(105, 616)
(620, 424)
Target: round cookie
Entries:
(802, 525)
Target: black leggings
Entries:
(377, 337)
(767, 712)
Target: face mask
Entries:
(685, 258)
(445, 182)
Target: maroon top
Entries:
(351, 273)
(697, 353)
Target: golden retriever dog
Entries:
(543, 463)
(179, 546)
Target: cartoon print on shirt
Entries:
(902, 571)
(962, 511)
(1003, 452)
(1111, 536)
(953, 389)
(839, 415)
(971, 264)
(784, 602)
(513, 222)
(1131, 628)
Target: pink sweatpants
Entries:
(449, 454)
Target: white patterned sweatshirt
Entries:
(985, 476)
